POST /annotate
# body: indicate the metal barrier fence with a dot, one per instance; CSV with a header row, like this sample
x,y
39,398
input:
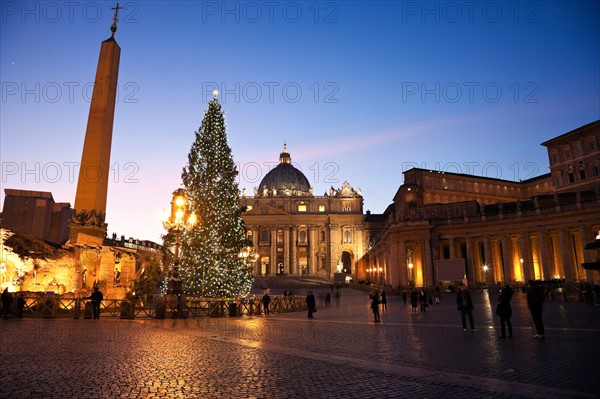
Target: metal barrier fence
x,y
42,306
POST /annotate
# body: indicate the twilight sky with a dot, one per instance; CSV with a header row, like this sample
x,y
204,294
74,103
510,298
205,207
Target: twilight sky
x,y
359,91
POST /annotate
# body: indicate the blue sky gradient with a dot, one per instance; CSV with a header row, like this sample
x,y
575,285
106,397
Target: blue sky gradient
x,y
360,91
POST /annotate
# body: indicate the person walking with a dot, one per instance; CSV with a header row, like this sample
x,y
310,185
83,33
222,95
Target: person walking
x,y
414,299
96,298
266,299
535,299
423,300
404,297
465,305
437,295
375,306
20,306
6,299
504,310
311,304
383,301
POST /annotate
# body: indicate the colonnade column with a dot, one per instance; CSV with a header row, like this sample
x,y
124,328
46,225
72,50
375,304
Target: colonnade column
x,y
451,248
526,255
586,238
487,254
563,237
548,269
427,264
507,262
470,261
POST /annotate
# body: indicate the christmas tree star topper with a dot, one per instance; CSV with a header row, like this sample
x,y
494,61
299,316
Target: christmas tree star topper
x,y
215,93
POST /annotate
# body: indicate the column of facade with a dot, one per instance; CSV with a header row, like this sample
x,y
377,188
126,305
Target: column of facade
x,y
403,264
273,252
488,261
255,248
586,238
470,261
294,252
312,240
427,264
527,256
286,249
394,265
565,245
358,255
451,248
548,269
385,262
334,249
507,264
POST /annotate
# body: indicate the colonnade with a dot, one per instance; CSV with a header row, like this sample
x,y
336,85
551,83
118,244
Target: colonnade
x,y
511,256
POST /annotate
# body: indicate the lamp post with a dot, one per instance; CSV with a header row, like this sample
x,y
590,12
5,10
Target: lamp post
x,y
248,255
409,253
177,221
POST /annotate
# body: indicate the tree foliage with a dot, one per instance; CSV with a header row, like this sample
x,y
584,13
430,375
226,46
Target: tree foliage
x,y
210,264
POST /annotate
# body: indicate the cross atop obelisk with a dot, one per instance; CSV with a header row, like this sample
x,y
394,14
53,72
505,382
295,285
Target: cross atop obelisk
x,y
113,27
88,222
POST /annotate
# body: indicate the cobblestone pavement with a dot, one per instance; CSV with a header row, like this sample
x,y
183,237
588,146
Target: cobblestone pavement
x,y
341,353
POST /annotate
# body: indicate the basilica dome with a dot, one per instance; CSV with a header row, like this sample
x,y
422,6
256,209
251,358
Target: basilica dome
x,y
284,179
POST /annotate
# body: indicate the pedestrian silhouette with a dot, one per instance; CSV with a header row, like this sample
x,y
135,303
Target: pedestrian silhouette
x,y
6,299
383,301
375,306
266,299
311,304
20,306
535,299
423,300
414,299
96,298
504,311
465,305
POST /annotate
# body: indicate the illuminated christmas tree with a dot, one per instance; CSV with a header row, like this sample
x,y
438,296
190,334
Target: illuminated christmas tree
x,y
210,264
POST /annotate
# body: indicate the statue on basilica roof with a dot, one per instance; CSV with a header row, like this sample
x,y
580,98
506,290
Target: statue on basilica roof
x,y
347,191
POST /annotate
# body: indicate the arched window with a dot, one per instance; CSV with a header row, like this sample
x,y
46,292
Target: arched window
x,y
264,235
302,237
347,235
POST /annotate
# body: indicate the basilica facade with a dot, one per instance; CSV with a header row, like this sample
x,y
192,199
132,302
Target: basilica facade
x,y
295,232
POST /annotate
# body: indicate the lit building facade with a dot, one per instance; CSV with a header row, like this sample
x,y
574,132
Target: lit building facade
x,y
297,233
501,231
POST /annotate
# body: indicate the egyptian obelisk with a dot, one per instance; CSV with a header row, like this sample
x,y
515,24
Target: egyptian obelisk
x,y
87,224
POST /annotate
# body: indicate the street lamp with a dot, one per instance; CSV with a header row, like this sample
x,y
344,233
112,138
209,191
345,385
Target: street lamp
x,y
180,219
248,255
